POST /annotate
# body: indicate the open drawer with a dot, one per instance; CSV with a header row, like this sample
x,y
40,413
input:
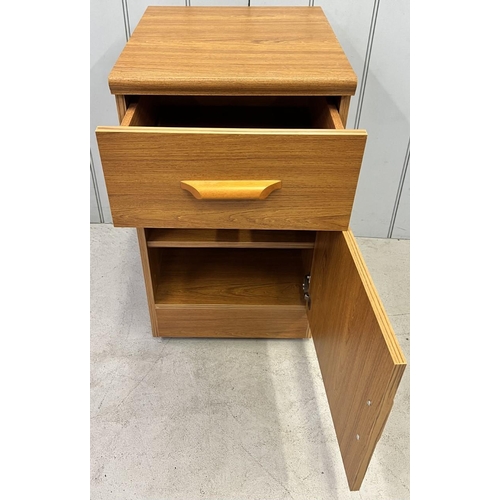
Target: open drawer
x,y
231,163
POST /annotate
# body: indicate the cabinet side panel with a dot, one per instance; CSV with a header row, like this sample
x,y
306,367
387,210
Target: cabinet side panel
x,y
121,107
345,101
149,267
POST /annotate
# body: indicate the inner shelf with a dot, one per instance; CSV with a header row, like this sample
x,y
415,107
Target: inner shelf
x,y
229,238
229,276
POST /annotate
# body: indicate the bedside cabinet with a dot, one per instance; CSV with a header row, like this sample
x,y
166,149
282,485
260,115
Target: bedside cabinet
x,y
233,163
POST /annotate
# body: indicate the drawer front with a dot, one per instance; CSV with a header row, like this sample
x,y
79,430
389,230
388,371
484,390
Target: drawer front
x,y
145,167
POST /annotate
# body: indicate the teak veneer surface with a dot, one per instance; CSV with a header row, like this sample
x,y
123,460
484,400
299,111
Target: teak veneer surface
x,y
359,356
229,238
232,321
233,51
144,168
149,268
230,276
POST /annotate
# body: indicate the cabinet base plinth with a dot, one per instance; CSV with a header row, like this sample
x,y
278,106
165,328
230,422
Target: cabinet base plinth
x,y
232,321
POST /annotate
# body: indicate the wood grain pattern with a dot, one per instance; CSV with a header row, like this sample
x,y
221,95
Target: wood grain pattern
x,y
229,238
308,334
232,321
320,113
231,190
359,356
130,116
139,115
230,276
325,114
143,167
121,107
344,108
148,280
335,117
233,51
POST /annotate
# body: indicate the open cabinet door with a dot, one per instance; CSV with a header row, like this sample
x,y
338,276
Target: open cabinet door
x,y
359,356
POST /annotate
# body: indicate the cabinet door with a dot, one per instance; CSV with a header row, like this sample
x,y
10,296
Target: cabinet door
x,y
359,356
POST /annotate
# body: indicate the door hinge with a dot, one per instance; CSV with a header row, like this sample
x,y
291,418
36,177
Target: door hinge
x,y
305,288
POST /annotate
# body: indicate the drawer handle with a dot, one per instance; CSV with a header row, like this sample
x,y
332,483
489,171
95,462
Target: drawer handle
x,y
230,190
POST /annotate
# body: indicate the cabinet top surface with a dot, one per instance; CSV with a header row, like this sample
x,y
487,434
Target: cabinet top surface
x,y
233,51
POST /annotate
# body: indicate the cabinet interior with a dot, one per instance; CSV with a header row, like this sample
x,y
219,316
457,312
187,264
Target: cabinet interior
x,y
232,112
229,266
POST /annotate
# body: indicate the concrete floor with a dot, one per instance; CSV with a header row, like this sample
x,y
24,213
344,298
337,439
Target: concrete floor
x,y
188,419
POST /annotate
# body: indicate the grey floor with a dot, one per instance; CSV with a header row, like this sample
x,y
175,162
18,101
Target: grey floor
x,y
188,419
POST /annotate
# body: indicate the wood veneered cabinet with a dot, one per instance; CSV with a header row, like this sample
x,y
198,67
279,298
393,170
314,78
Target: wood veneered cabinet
x,y
233,163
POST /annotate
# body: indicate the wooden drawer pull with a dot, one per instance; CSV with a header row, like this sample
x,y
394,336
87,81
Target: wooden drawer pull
x,y
230,190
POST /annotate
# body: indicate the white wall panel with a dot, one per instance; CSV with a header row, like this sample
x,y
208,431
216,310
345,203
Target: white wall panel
x,y
94,211
351,22
220,3
107,39
402,223
136,9
386,116
279,3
